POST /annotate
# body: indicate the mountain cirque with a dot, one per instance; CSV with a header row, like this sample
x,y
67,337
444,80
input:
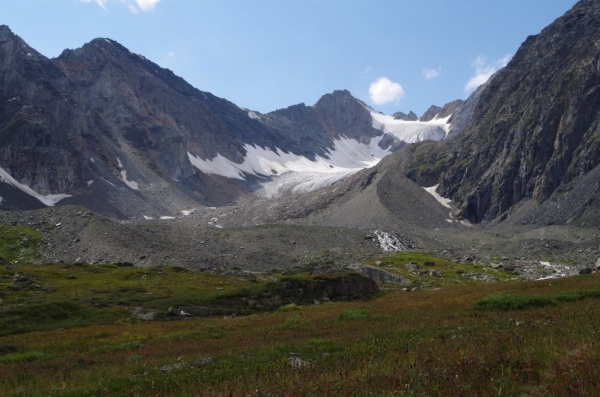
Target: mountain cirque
x,y
180,176
103,127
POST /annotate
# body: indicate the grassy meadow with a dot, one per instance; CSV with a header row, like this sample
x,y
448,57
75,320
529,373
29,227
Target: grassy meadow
x,y
72,332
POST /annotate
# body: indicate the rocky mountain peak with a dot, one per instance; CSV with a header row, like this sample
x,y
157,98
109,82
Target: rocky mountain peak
x,y
535,128
411,116
340,111
431,113
5,32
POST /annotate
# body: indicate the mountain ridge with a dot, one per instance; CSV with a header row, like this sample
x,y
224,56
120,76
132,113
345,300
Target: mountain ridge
x,y
111,129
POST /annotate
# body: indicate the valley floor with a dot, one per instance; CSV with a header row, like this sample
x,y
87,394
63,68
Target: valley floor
x,y
538,339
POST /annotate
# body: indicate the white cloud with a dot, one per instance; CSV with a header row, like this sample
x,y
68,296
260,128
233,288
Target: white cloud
x,y
485,70
383,91
171,54
431,73
146,5
365,73
133,5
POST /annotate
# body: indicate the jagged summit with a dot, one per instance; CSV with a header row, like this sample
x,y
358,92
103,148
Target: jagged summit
x,y
534,133
411,116
104,127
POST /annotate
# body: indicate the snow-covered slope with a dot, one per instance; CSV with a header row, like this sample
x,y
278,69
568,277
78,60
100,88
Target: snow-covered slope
x,y
287,172
49,200
411,131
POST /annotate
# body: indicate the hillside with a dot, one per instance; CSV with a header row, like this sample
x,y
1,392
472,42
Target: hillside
x,y
534,135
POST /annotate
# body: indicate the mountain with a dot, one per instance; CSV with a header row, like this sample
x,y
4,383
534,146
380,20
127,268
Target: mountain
x,y
388,196
106,128
534,137
436,112
411,116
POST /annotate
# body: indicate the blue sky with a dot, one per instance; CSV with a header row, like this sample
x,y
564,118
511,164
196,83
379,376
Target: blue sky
x,y
269,54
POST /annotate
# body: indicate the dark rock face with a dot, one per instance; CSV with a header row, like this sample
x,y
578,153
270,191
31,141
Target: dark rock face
x,y
320,288
332,287
411,116
441,113
354,122
431,113
464,113
535,128
74,124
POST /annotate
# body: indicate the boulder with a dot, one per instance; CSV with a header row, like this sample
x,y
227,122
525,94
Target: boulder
x,y
585,270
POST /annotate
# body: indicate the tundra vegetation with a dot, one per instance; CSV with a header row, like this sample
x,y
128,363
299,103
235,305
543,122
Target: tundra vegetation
x,y
70,329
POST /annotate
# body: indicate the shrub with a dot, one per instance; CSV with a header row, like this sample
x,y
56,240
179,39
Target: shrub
x,y
294,322
20,357
578,295
289,308
356,314
510,302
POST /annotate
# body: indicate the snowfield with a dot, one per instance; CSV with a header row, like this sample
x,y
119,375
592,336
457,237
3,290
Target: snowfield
x,y
289,173
411,131
50,200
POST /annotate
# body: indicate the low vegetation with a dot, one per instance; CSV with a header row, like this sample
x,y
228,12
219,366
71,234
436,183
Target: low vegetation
x,y
72,332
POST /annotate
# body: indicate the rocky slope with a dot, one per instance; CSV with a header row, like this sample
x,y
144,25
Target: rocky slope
x,y
106,128
536,128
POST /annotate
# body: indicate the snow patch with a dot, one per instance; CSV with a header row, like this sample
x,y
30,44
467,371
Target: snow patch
x,y
89,183
167,217
187,212
443,201
253,115
131,184
411,131
290,172
110,183
148,217
388,242
466,223
50,200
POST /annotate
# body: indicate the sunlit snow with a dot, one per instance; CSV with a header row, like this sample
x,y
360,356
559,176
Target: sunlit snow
x,y
293,172
253,115
49,200
442,200
132,184
411,131
288,172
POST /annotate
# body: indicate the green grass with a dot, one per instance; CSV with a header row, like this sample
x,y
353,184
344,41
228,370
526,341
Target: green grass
x,y
510,302
355,314
294,322
447,271
75,295
427,343
20,357
578,295
18,244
